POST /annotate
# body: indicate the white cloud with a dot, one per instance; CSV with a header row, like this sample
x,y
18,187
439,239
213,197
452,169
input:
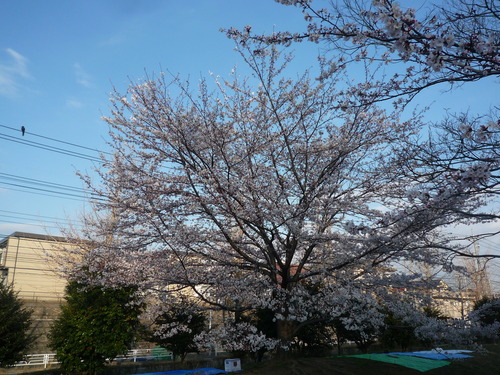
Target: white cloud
x,y
74,103
20,62
11,72
82,77
113,40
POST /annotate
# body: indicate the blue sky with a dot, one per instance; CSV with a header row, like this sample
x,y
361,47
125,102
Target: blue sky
x,y
60,59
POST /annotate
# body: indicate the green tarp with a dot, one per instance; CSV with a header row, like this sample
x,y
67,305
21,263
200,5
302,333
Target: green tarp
x,y
160,353
419,364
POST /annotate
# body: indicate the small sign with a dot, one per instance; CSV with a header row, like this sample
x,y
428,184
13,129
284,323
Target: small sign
x,y
232,365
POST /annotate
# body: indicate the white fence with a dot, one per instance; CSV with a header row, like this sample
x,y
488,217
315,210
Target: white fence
x,y
43,360
134,355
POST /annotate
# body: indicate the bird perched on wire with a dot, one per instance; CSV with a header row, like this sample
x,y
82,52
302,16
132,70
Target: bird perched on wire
x,y
23,130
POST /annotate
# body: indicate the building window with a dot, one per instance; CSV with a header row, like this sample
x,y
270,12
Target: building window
x,y
4,273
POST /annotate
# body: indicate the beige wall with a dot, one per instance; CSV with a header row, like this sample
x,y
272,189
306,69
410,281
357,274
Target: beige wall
x,y
31,271
454,305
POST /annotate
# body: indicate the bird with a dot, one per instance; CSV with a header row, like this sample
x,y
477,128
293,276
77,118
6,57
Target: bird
x,y
23,130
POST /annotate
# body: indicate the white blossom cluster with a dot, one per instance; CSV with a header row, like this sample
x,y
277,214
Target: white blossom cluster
x,y
164,331
237,337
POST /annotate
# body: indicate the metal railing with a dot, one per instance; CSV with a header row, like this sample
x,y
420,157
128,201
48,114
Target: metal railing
x,y
136,355
43,360
133,355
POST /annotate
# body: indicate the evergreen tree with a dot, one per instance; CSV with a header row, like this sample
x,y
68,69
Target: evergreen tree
x,y
15,321
487,311
96,324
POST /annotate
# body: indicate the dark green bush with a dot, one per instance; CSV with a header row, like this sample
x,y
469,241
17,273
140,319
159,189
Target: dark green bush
x,y
15,331
96,324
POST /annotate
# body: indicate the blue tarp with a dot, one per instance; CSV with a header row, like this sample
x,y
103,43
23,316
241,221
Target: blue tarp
x,y
199,371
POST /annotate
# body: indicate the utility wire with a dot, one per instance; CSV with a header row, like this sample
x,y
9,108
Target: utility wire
x,y
40,218
50,148
39,221
43,187
47,195
33,181
30,224
43,190
56,140
488,242
46,186
35,216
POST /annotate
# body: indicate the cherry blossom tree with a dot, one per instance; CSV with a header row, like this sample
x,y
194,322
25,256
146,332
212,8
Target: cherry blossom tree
x,y
454,41
242,193
462,151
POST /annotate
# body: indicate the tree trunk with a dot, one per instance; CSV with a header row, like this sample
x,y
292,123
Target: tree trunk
x,y
285,333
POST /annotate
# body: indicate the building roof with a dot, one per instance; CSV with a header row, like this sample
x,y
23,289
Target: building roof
x,y
33,236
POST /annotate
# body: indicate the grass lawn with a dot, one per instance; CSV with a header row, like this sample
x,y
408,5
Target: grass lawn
x,y
487,363
481,364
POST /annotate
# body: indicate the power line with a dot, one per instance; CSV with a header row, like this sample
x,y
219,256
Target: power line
x,y
60,222
58,219
43,190
46,187
39,189
47,195
488,242
50,148
30,224
57,140
39,218
34,181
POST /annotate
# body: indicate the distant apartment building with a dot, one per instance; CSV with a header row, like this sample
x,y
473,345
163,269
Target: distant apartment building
x,y
25,263
455,304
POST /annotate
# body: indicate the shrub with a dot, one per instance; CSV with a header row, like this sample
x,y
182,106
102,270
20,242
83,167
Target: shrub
x,y
96,324
15,332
